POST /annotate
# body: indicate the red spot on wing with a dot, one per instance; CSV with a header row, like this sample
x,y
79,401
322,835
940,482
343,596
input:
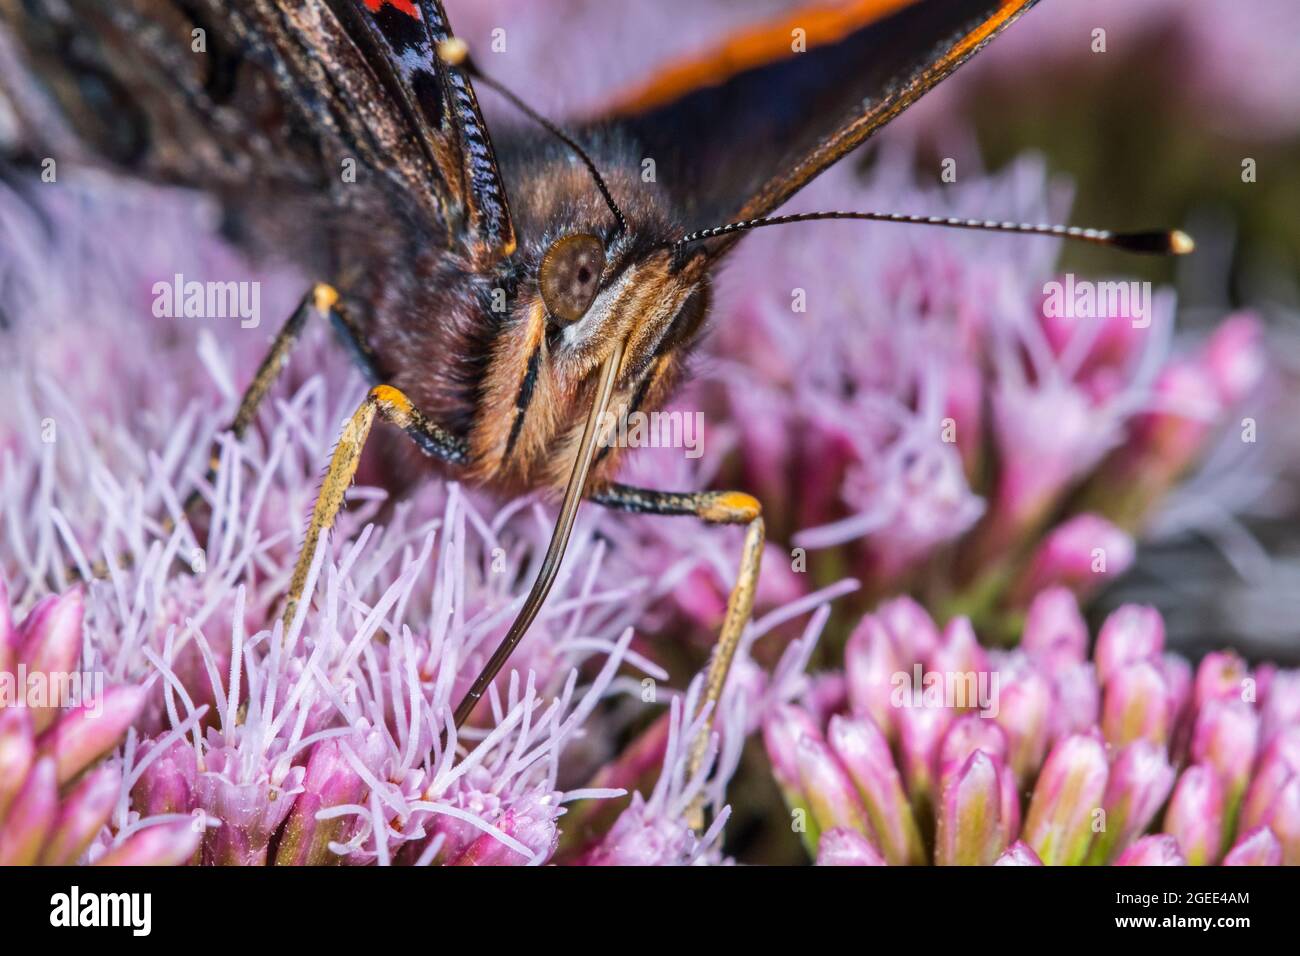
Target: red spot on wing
x,y
405,6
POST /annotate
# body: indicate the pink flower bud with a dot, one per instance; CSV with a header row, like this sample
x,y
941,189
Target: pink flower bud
x,y
1081,554
782,729
1169,441
912,630
167,844
970,830
1221,676
1280,762
966,735
1226,737
1280,709
1046,437
1140,780
50,638
1055,634
974,733
1129,634
832,798
1066,800
1195,815
85,734
1234,357
870,662
17,753
50,643
167,784
1077,703
959,652
31,816
330,780
864,752
1136,706
1257,847
1024,713
845,847
921,731
1019,854
84,812
1282,816
1157,850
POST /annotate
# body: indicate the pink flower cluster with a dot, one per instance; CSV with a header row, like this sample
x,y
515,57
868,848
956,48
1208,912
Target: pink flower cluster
x,y
56,798
924,408
929,748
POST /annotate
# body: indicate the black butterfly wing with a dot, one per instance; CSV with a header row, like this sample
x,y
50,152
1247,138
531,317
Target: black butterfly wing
x,y
282,99
739,130
400,38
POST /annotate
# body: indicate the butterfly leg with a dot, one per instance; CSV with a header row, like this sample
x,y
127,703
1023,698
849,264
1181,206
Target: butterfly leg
x,y
323,300
715,507
389,404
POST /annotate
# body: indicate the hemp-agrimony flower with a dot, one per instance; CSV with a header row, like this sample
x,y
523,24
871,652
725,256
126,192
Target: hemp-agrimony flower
x,y
991,778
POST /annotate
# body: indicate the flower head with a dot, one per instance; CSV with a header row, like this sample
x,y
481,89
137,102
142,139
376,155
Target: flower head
x,y
57,724
950,408
1007,784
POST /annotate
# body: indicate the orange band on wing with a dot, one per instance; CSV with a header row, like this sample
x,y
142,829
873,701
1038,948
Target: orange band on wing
x,y
754,47
992,25
848,137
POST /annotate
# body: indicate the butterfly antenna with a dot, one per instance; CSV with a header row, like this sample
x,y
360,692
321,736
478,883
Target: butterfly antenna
x,y
455,52
1159,242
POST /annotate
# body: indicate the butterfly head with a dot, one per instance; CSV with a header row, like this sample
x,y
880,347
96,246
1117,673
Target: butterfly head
x,y
597,285
588,284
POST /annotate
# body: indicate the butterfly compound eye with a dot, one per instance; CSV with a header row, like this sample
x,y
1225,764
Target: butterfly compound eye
x,y
570,276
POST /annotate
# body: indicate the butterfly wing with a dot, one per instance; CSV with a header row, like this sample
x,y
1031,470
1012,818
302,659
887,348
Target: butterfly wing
x,y
282,98
738,130
401,39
